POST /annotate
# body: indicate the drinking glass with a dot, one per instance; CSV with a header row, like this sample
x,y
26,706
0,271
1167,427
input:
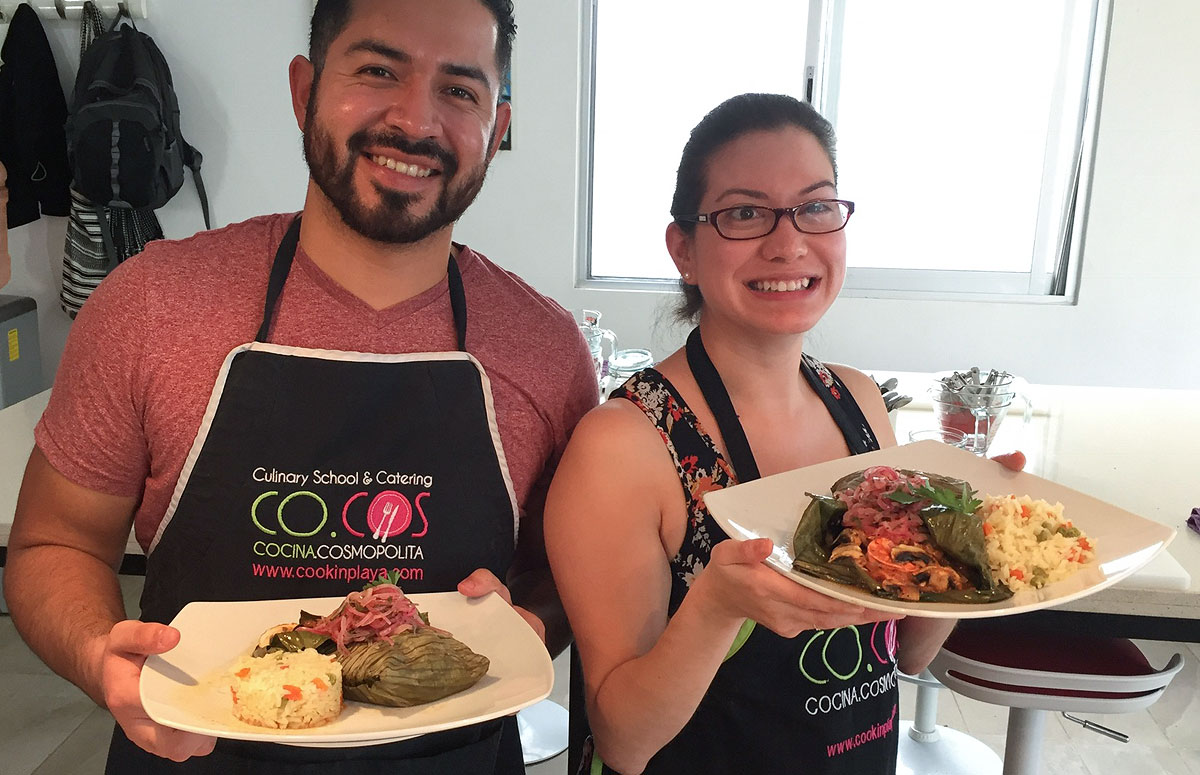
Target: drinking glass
x,y
951,436
977,415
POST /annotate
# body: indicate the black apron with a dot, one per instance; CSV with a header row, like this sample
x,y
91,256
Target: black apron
x,y
825,701
315,471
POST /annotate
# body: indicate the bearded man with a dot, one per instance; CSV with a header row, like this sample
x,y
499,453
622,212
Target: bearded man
x,y
337,348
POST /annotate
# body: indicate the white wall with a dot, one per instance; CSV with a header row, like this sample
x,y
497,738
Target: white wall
x,y
229,62
1138,317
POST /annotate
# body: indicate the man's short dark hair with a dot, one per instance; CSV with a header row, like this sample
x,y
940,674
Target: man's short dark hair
x,y
331,17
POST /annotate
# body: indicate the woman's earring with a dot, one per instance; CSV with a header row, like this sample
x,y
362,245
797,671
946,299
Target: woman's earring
x,y
687,277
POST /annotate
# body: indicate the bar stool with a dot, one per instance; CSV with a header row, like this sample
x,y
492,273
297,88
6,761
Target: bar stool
x,y
1035,673
927,749
543,731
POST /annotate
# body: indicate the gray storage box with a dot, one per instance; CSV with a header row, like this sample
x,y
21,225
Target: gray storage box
x,y
20,351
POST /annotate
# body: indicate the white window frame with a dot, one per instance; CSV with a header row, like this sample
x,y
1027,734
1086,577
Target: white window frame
x,y
1053,280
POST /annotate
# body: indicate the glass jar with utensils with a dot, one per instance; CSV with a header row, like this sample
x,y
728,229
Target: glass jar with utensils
x,y
975,403
600,341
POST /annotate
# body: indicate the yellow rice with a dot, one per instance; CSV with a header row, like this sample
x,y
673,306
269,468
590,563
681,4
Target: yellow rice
x,y
1030,543
287,690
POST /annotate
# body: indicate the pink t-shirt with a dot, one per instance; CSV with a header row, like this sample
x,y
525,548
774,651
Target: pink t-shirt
x,y
142,356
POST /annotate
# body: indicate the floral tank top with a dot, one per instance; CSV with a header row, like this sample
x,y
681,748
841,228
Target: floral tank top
x,y
824,702
702,468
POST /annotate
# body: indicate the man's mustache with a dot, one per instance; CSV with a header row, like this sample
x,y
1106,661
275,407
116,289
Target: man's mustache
x,y
400,142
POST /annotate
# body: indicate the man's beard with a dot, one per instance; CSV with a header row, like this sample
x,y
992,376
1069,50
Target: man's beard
x,y
391,220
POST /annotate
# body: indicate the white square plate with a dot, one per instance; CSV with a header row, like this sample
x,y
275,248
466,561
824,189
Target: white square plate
x,y
184,688
771,508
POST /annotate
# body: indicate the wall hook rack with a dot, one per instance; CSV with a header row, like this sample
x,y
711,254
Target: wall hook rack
x,y
72,10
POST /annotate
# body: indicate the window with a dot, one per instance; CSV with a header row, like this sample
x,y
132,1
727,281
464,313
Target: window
x,y
965,130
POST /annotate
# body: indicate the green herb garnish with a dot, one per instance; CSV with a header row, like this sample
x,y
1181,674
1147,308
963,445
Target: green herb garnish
x,y
964,501
390,577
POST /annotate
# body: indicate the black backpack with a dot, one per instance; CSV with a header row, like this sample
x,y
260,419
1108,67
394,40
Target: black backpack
x,y
123,132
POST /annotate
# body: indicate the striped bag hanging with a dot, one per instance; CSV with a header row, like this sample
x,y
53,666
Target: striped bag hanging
x,y
90,255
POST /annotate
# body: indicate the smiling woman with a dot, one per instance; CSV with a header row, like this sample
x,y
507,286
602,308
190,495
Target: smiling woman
x,y
782,277
782,152
690,649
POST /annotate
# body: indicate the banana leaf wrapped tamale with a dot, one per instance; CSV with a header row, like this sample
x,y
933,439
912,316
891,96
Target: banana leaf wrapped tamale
x,y
942,558
420,667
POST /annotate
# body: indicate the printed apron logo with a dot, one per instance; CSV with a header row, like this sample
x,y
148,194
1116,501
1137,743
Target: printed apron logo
x,y
377,524
859,668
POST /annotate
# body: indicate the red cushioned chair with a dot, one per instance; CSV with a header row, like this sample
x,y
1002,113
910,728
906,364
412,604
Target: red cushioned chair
x,y
1035,673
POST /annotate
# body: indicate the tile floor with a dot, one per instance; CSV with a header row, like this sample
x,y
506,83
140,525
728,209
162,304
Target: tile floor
x,y
48,727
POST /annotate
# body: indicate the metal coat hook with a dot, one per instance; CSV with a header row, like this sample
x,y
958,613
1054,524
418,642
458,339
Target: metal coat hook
x,y
133,8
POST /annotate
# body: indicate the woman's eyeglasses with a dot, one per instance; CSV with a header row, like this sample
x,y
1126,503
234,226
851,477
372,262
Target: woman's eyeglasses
x,y
820,216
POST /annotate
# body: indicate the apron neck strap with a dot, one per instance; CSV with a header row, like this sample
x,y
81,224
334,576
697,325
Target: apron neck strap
x,y
458,302
717,398
282,266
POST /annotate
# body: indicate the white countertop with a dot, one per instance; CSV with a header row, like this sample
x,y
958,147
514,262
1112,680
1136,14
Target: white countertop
x,y
16,442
